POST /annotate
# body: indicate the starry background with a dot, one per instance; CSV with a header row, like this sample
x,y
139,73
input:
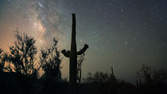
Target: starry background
x,y
121,33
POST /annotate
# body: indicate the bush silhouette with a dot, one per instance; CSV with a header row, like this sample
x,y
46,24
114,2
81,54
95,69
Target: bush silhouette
x,y
50,62
22,55
151,77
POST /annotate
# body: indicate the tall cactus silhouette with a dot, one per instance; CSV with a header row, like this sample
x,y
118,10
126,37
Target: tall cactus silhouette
x,y
72,55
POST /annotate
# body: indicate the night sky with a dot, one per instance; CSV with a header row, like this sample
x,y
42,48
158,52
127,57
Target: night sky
x,y
121,33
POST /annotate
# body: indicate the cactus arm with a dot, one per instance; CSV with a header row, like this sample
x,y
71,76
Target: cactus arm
x,y
83,49
66,53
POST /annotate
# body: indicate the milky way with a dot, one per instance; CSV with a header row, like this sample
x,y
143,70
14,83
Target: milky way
x,y
37,18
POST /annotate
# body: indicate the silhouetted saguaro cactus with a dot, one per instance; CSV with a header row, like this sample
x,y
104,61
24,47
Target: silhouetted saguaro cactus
x,y
72,55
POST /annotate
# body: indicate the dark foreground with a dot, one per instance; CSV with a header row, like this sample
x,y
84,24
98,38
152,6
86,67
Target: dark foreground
x,y
12,85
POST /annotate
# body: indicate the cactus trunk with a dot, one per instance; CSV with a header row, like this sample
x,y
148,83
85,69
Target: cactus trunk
x,y
73,54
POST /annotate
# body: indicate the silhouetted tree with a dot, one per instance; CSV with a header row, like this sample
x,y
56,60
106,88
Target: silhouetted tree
x,y
105,83
145,74
80,60
22,55
50,62
148,76
102,77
